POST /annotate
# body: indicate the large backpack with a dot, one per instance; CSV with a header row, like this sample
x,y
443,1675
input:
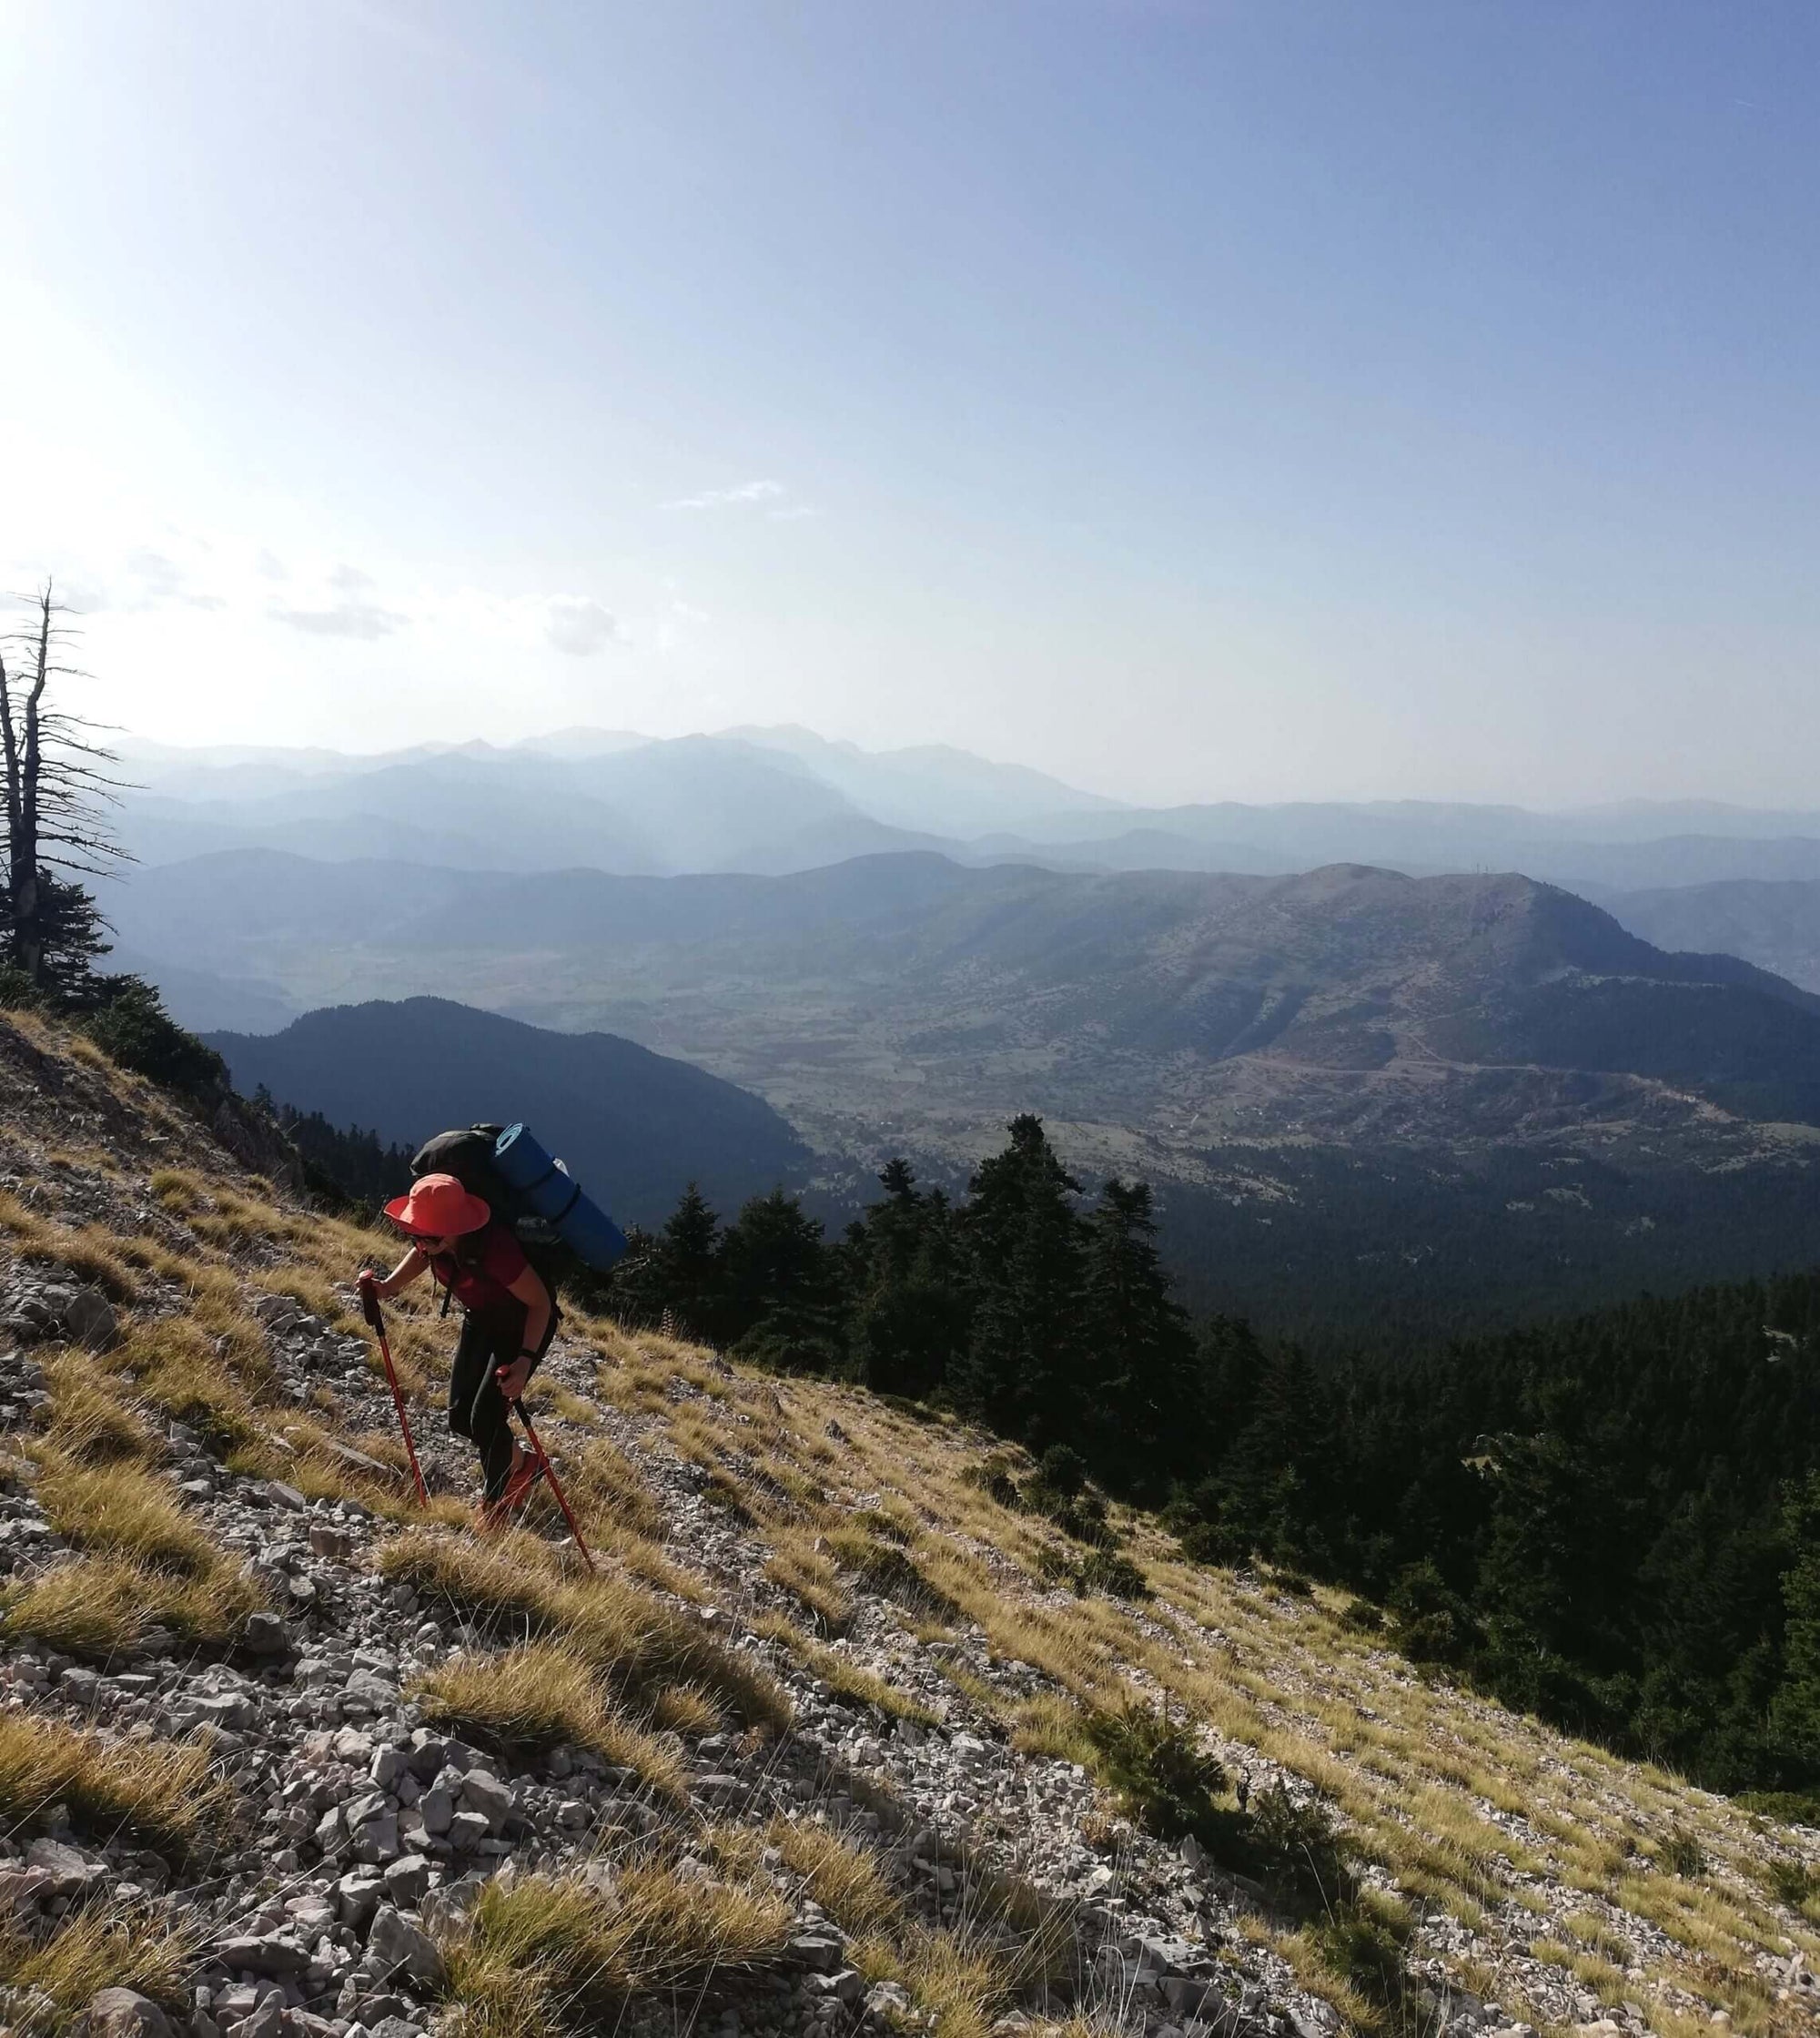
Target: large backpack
x,y
467,1153
562,1233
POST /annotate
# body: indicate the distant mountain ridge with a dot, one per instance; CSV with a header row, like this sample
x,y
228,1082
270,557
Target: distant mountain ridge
x,y
635,1126
777,800
1151,997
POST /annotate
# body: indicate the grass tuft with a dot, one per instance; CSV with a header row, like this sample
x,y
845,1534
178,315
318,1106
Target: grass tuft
x,y
842,1876
97,1949
121,1511
101,1607
162,1795
843,1678
555,1954
637,1644
532,1698
88,1421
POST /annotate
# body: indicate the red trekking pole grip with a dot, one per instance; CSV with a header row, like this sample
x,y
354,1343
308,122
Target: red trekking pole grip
x,y
366,1287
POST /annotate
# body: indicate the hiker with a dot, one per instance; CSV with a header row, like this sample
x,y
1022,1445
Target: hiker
x,y
509,1319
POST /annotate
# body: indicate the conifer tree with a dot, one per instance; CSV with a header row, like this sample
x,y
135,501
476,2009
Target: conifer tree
x,y
1023,1370
779,1282
911,1310
1798,1703
1140,1360
688,1262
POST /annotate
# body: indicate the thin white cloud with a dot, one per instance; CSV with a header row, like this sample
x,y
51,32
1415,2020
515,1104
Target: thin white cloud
x,y
152,580
728,498
580,626
362,620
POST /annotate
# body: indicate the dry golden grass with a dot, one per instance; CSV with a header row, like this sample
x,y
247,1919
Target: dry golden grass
x,y
551,1953
841,1875
681,1709
175,1368
160,1795
1279,1676
101,1607
97,1949
603,1485
532,1698
118,1510
638,1644
1052,1726
959,1983
808,1576
90,1422
89,1252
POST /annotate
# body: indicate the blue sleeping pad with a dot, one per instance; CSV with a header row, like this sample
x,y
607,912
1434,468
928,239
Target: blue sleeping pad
x,y
547,1193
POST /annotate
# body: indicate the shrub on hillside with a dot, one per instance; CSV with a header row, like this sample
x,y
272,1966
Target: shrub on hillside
x,y
993,1477
1787,1808
1680,1854
1215,1542
1061,1470
1114,1573
18,993
1430,1622
1167,1781
1365,1941
1293,1846
125,1018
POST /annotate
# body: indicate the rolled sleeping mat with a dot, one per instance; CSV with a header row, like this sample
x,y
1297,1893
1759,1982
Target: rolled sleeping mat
x,y
549,1193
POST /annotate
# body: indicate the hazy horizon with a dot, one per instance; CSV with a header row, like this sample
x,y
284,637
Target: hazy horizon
x,y
131,743
1192,401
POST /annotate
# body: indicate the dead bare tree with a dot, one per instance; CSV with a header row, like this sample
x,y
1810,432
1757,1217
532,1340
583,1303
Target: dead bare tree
x,y
59,794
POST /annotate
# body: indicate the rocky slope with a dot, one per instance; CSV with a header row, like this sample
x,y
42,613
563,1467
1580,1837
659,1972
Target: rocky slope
x,y
281,1753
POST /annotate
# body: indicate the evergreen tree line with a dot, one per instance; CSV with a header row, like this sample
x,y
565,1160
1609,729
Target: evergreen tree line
x,y
1612,1520
1012,1305
350,1166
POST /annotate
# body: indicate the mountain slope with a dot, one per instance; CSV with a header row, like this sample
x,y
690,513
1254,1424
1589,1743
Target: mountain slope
x,y
1775,925
931,789
884,1770
635,1126
1239,992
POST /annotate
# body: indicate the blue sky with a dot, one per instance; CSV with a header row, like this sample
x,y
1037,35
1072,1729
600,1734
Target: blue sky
x,y
1198,401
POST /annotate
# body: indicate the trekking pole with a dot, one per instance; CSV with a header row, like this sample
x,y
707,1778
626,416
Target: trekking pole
x,y
369,1309
549,1472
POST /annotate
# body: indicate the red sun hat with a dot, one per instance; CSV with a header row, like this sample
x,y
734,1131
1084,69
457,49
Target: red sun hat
x,y
438,1207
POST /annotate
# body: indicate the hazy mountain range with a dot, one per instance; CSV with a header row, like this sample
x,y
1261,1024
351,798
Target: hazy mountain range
x,y
1407,1076
1173,1007
1412,1101
785,799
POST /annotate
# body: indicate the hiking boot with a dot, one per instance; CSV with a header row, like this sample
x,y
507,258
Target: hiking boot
x,y
525,1475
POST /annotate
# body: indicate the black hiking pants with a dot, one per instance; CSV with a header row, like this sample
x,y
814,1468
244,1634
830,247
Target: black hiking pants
x,y
489,1339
